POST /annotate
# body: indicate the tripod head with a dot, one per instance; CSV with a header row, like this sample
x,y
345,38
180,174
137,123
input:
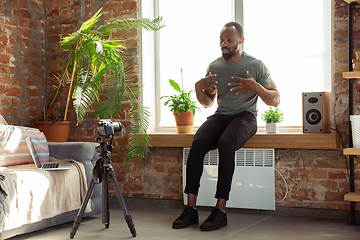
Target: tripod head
x,y
106,129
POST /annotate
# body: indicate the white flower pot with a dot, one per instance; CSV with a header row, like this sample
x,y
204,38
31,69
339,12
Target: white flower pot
x,y
272,128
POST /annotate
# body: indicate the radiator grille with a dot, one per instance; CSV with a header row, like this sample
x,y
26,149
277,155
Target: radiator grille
x,y
244,157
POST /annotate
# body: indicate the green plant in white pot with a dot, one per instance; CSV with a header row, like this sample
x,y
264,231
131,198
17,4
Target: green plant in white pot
x,y
272,117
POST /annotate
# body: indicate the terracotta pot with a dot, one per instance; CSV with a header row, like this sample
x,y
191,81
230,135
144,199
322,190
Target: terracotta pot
x,y
58,132
184,122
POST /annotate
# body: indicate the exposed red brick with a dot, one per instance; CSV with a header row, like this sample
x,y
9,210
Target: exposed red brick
x,y
11,111
134,187
34,54
6,69
5,78
130,5
14,91
15,80
24,32
337,175
113,7
34,92
36,64
4,39
174,170
36,5
23,4
331,185
22,13
23,22
317,174
12,2
33,25
344,186
5,102
334,196
56,4
4,58
36,45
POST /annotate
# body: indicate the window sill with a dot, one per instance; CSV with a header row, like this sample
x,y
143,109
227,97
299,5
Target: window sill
x,y
260,140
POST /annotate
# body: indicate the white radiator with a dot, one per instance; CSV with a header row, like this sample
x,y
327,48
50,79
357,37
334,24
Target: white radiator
x,y
253,185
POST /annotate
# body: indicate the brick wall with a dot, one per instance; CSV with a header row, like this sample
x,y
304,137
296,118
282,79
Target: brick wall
x,y
23,84
28,61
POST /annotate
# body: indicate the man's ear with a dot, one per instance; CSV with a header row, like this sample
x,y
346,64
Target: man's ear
x,y
241,40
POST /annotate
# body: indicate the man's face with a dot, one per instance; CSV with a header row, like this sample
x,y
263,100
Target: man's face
x,y
229,42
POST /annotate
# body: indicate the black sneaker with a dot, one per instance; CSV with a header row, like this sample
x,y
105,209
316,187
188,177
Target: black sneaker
x,y
216,220
188,216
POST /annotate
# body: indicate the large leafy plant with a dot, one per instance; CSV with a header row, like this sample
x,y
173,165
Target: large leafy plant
x,y
180,102
99,78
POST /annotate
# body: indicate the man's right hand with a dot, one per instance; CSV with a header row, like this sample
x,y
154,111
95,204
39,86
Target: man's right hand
x,y
205,90
207,84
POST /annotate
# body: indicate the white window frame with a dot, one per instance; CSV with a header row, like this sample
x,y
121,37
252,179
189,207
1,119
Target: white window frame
x,y
149,68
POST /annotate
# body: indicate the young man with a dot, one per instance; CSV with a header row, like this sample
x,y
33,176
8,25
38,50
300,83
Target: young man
x,y
236,80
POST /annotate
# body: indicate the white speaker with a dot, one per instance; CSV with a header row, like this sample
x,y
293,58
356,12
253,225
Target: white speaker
x,y
316,112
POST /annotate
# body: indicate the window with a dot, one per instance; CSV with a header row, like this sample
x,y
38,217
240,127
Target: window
x,y
292,38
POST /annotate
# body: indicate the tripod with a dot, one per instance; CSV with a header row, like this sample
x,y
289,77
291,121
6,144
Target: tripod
x,y
106,169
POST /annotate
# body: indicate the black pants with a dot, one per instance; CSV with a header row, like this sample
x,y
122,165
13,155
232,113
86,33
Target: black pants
x,y
228,133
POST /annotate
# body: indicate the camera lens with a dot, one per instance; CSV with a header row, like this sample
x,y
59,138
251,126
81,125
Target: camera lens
x,y
116,126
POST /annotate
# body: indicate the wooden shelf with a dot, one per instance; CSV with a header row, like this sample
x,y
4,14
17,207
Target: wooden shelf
x,y
352,197
351,151
349,75
350,1
280,141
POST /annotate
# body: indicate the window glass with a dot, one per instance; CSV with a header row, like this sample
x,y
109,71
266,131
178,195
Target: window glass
x,y
294,46
190,41
292,38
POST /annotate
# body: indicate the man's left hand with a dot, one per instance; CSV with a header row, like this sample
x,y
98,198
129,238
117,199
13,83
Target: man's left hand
x,y
243,84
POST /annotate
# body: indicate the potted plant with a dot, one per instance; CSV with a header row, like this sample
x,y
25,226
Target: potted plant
x,y
53,126
272,117
99,78
182,107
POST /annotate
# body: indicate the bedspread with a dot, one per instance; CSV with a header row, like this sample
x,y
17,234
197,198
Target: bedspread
x,y
33,195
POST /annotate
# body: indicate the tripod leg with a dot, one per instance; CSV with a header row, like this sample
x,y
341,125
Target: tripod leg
x,y
122,202
78,218
105,199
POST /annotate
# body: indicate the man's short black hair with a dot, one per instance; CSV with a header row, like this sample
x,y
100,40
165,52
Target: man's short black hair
x,y
238,27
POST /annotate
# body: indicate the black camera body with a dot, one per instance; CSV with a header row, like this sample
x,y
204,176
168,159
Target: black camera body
x,y
106,127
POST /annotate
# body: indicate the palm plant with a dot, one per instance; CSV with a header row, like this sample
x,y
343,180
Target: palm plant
x,y
100,79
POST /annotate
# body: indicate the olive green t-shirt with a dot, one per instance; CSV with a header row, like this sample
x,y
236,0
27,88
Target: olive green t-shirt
x,y
228,102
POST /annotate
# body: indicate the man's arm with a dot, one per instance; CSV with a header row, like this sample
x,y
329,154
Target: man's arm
x,y
206,90
268,93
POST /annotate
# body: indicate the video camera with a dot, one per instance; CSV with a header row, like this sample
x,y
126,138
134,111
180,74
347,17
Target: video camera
x,y
106,127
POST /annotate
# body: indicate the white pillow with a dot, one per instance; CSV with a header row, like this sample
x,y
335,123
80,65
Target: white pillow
x,y
2,120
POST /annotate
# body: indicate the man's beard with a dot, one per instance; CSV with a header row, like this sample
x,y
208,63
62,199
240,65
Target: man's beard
x,y
230,53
